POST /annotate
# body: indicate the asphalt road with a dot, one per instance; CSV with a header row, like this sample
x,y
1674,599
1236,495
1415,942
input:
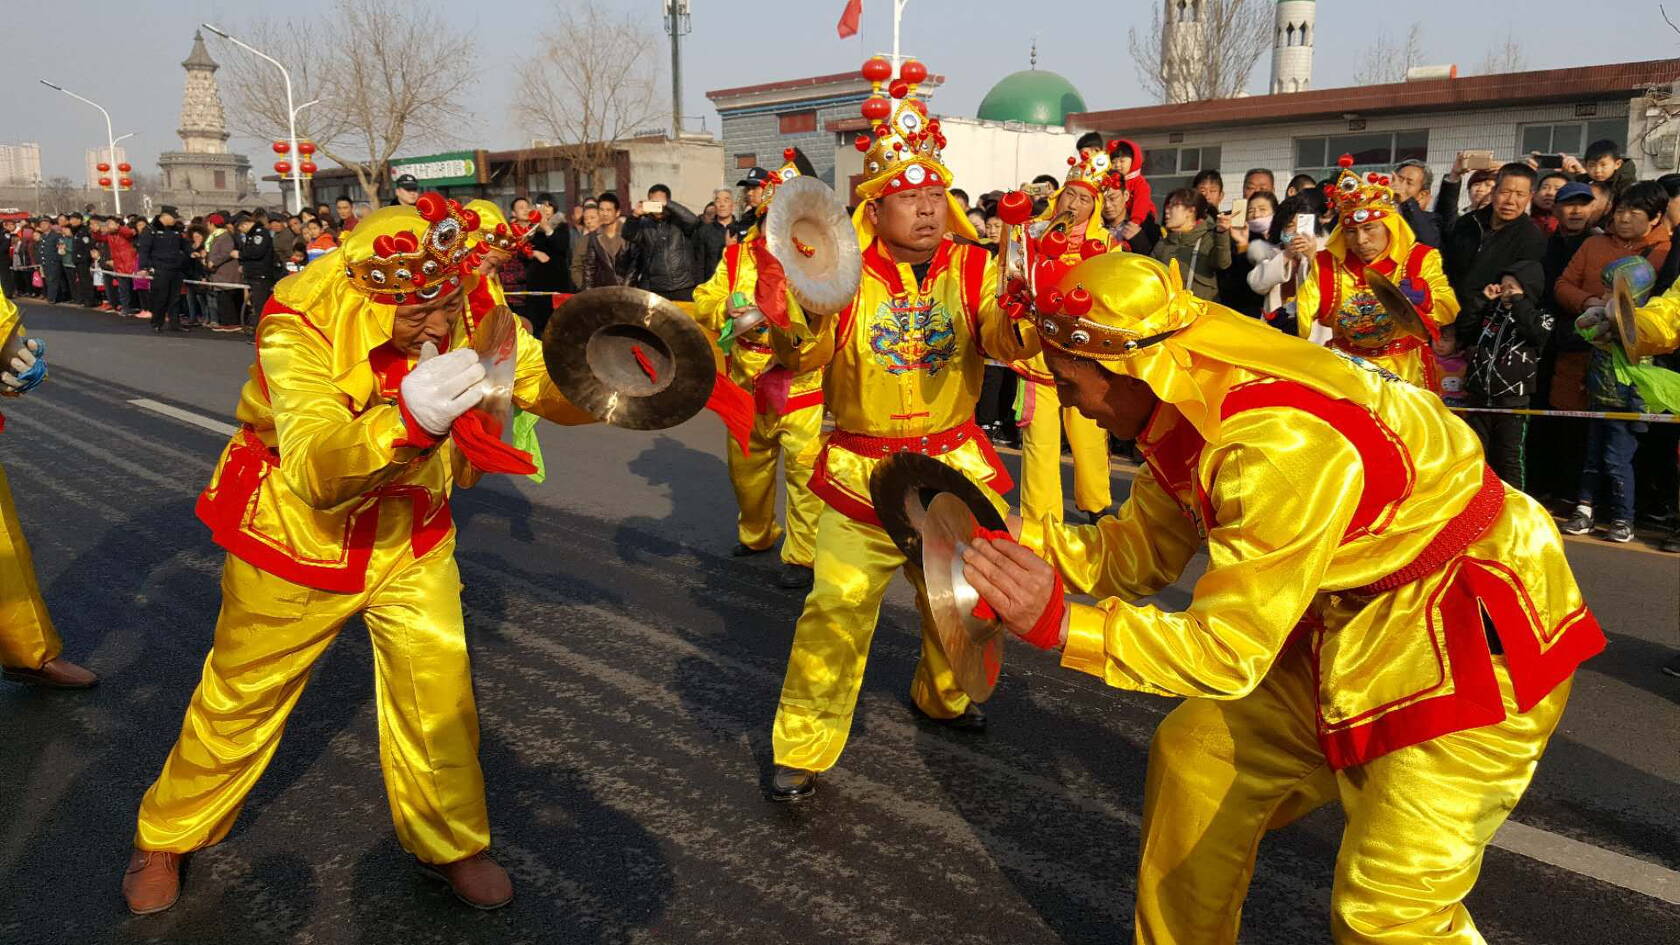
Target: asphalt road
x,y
627,670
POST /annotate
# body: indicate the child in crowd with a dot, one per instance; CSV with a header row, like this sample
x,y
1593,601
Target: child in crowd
x,y
1503,350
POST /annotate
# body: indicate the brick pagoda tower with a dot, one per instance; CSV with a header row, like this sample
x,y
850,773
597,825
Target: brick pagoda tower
x,y
203,176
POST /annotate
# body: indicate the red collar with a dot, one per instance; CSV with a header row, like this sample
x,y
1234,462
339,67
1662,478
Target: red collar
x,y
877,262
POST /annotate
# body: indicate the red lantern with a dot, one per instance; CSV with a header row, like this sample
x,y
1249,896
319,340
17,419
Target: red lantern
x,y
282,167
125,183
308,168
876,108
912,72
104,181
125,167
877,70
306,147
281,147
103,167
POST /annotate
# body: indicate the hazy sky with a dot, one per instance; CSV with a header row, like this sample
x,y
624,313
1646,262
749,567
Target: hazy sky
x,y
125,54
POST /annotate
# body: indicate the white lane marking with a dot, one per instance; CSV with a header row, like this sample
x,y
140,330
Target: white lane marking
x,y
1641,876
197,420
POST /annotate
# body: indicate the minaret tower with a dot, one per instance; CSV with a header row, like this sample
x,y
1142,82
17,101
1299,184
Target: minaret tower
x,y
203,125
1181,49
1292,45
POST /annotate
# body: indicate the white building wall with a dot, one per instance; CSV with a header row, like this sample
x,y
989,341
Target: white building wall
x,y
693,169
982,155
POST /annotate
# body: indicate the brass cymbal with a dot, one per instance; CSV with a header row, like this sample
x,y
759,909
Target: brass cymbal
x,y
629,357
972,644
901,487
1407,320
1620,312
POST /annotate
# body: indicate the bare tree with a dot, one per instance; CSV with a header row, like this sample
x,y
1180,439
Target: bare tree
x,y
59,195
388,74
592,83
1389,59
1506,57
1207,51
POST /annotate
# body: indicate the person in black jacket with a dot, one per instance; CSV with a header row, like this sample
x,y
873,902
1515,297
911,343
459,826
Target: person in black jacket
x,y
663,258
549,267
1487,242
80,268
165,252
1510,330
258,264
1412,180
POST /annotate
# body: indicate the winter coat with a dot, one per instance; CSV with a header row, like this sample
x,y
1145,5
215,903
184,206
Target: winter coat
x,y
1625,176
598,259
1140,203
556,274
257,261
663,259
81,247
222,256
51,257
165,248
119,249
1509,336
1476,254
1202,253
1583,278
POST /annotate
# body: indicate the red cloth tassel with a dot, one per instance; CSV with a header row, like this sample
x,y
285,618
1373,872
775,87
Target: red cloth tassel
x,y
1046,632
734,407
479,438
770,391
770,293
983,610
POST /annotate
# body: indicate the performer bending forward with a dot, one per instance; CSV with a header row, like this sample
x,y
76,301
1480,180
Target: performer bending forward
x,y
904,366
1382,622
333,500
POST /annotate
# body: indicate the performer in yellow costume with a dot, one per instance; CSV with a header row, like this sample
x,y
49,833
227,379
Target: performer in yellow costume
x,y
29,645
333,500
903,371
1043,419
1382,622
790,410
1333,293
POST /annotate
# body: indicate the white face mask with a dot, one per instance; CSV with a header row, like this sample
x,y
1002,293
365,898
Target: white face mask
x,y
1260,226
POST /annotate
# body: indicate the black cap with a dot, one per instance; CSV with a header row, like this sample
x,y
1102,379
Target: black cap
x,y
406,182
166,208
756,177
548,199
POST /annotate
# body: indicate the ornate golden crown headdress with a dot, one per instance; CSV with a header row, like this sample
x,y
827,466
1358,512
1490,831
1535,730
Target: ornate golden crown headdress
x,y
1359,200
905,151
1095,169
404,266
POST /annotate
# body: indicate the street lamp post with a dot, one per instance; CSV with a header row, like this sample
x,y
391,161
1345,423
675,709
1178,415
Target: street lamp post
x,y
110,142
291,112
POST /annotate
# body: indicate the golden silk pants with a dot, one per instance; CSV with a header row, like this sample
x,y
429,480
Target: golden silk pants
x,y
853,566
27,637
1041,458
268,637
1418,818
795,437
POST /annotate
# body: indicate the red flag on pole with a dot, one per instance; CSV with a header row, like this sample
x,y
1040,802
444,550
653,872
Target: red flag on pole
x,y
850,18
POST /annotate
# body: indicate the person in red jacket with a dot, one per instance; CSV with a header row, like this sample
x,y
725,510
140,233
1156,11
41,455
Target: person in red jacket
x,y
117,242
1128,161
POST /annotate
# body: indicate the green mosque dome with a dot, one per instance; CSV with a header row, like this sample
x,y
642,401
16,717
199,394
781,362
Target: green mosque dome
x,y
1034,96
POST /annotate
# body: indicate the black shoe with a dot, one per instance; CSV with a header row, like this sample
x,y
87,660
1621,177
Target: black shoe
x,y
1580,523
971,720
792,784
742,551
1620,532
180,328
1671,544
1672,667
794,577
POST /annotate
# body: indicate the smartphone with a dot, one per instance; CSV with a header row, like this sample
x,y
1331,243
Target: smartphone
x,y
653,206
1548,160
1480,161
1239,212
1306,225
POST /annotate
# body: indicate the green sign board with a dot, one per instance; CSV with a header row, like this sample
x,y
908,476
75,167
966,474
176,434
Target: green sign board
x,y
443,170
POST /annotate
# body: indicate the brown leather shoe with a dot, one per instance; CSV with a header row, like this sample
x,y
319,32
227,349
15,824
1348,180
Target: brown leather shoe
x,y
54,674
152,882
477,880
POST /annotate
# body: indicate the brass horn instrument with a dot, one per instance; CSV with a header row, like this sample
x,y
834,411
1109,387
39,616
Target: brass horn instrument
x,y
809,233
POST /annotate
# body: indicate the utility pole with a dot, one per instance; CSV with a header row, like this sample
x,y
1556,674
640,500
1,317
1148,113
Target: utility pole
x,y
677,25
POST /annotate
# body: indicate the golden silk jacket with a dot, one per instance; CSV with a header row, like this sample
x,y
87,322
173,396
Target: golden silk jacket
x,y
1365,527
323,451
751,355
1659,323
1335,294
902,370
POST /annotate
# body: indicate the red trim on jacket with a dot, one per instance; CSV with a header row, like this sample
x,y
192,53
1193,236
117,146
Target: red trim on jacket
x,y
859,508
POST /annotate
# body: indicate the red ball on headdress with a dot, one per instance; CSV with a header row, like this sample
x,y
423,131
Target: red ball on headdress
x,y
877,69
876,108
405,242
454,205
1091,248
861,142
1014,208
469,219
1385,180
1078,302
383,246
1050,302
1072,161
899,88
788,154
1345,160
501,229
912,71
1113,146
432,206
1048,272
1053,243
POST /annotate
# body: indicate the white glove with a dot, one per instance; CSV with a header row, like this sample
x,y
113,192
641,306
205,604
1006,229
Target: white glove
x,y
442,387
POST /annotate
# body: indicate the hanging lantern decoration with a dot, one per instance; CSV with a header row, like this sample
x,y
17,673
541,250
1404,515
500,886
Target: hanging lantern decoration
x,y
308,168
104,181
126,183
281,147
282,167
125,167
306,148
103,167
